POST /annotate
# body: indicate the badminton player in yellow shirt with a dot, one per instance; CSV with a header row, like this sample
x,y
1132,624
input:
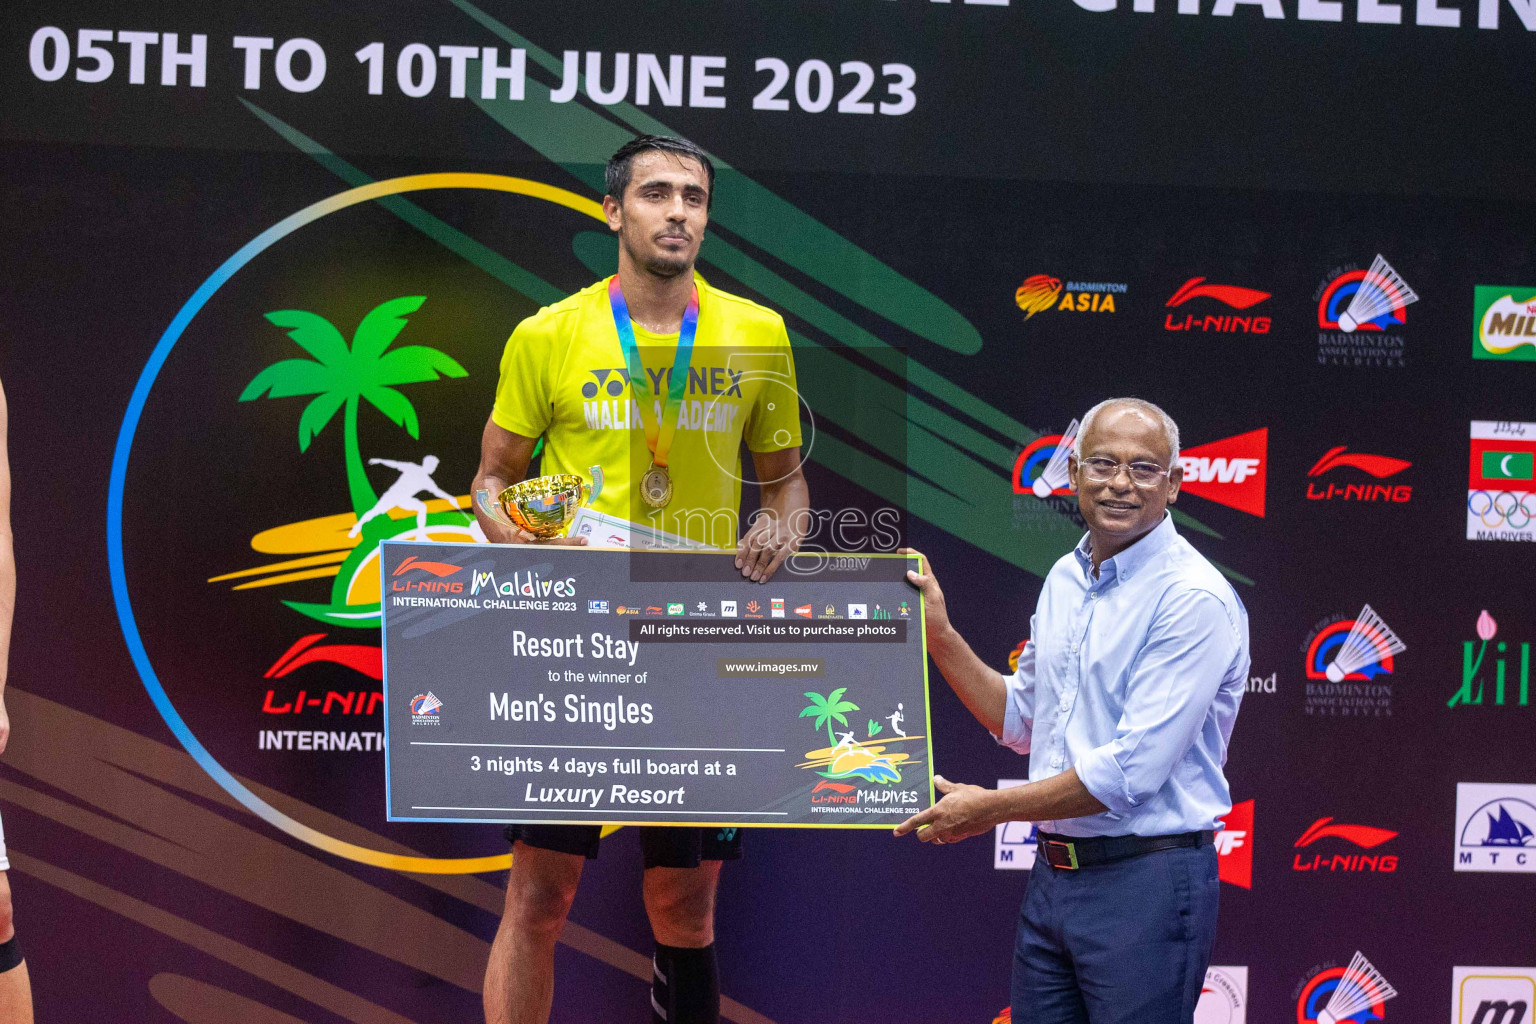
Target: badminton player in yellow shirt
x,y
657,377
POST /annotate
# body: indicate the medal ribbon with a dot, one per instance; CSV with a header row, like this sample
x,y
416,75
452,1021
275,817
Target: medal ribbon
x,y
658,433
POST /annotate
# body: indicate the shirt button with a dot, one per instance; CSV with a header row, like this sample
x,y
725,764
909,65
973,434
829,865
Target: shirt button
x,y
1094,595
1065,704
1056,761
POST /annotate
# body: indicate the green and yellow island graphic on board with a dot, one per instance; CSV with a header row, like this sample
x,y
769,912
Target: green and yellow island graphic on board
x,y
848,758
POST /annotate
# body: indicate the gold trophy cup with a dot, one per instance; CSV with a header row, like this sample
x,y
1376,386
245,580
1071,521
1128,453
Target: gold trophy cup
x,y
543,506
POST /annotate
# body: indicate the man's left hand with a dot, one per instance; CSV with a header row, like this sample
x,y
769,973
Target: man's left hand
x,y
765,547
963,812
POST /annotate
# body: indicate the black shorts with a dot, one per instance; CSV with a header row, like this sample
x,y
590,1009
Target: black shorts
x,y
664,847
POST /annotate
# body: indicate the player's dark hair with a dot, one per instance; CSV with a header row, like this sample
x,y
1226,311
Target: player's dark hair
x,y
616,178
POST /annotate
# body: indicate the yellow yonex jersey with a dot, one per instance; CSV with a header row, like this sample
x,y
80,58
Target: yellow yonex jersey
x,y
563,376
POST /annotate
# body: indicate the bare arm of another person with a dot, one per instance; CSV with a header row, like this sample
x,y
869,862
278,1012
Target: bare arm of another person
x,y
504,458
7,571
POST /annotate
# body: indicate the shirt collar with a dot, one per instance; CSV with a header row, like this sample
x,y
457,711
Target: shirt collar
x,y
1128,562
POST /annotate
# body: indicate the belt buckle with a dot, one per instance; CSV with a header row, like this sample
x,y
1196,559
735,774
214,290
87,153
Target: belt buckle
x,y
1070,849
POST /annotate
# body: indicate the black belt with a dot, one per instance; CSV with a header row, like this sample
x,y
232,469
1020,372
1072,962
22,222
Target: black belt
x,y
1071,853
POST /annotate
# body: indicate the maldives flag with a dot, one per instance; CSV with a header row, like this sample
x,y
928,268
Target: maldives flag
x,y
1503,456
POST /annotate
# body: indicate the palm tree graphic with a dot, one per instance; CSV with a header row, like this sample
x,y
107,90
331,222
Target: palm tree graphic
x,y
828,709
342,378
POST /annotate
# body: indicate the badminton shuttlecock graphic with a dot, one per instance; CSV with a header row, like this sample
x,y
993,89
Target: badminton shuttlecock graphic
x,y
1054,474
1038,293
1381,291
1370,640
1362,986
425,703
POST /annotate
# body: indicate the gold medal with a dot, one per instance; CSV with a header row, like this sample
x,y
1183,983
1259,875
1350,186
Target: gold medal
x,y
656,486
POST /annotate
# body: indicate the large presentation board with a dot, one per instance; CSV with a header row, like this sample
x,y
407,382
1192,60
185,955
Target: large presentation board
x,y
569,684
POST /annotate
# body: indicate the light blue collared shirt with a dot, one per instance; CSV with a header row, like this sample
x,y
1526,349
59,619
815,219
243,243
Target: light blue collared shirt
x,y
1134,679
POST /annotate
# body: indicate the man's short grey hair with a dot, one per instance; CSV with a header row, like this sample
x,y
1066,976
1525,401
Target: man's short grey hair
x,y
1170,428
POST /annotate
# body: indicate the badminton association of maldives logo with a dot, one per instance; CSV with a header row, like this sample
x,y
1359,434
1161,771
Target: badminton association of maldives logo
x,y
1357,993
1359,313
424,709
1348,664
1041,468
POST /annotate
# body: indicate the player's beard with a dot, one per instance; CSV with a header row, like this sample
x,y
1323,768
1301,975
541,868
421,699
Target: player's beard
x,y
659,263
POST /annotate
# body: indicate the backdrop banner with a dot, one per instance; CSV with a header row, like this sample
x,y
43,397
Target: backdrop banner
x,y
260,268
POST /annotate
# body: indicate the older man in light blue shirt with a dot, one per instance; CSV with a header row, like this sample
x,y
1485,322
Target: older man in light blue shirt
x,y
1124,700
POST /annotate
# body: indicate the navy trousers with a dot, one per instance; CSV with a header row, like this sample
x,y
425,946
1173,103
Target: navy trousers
x,y
1122,942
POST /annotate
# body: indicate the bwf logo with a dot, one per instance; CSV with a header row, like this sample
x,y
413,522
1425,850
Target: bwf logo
x,y
1492,995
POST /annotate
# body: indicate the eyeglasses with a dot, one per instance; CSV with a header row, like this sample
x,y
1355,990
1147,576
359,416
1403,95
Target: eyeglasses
x,y
1102,471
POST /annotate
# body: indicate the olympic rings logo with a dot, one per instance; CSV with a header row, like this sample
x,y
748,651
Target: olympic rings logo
x,y
1512,509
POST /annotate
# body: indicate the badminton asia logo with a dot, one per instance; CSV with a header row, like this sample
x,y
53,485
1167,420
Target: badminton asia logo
x,y
1495,827
1357,993
1504,323
1042,292
1219,322
1233,471
1501,681
1352,477
1501,481
1358,313
1346,660
1364,837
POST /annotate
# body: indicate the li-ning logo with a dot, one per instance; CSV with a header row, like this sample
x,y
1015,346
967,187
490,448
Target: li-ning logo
x,y
1231,471
1219,323
1367,837
424,709
834,793
1041,292
425,586
1378,466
